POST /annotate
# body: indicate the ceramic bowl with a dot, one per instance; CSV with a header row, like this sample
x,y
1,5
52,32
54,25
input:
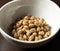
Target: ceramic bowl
x,y
39,8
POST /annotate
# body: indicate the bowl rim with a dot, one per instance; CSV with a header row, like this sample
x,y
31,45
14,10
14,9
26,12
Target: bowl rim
x,y
5,34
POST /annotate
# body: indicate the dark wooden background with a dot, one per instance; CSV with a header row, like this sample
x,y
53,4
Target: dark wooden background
x,y
53,45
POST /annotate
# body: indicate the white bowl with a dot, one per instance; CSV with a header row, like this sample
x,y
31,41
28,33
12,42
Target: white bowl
x,y
40,8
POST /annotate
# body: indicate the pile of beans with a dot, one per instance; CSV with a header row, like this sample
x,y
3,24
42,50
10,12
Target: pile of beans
x,y
31,28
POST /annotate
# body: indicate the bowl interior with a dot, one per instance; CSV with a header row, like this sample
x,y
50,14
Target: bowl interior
x,y
46,9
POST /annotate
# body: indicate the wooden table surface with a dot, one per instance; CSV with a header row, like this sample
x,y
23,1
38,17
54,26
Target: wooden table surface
x,y
53,45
